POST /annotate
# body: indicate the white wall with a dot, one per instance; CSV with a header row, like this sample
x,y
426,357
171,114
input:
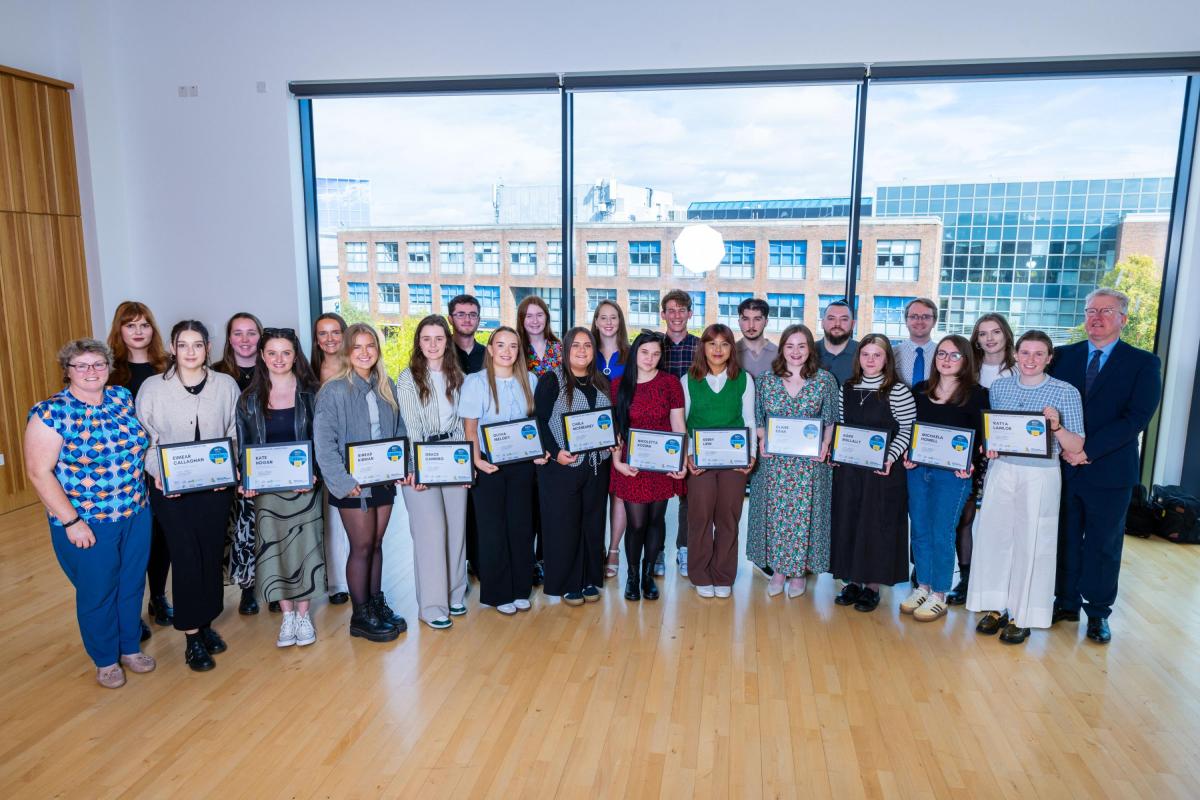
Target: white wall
x,y
194,205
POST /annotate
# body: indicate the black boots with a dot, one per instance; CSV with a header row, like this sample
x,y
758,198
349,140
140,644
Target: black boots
x,y
248,604
160,610
365,623
958,595
632,592
385,613
649,589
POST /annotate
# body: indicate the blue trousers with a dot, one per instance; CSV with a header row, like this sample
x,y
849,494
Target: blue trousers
x,y
110,581
1091,535
935,502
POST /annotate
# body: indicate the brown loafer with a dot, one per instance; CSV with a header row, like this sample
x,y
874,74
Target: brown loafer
x,y
139,663
111,677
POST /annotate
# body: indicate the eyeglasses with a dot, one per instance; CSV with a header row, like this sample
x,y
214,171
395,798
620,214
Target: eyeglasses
x,y
83,369
1106,312
278,333
945,355
921,317
465,315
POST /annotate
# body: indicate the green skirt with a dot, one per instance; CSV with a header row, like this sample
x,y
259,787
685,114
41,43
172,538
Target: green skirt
x,y
290,545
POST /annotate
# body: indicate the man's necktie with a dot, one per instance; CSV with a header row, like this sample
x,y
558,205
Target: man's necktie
x,y
1092,371
919,367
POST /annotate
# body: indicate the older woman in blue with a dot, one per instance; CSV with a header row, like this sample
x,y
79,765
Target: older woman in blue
x,y
85,455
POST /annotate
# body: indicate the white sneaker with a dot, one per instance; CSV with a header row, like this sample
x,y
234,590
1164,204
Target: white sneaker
x,y
287,631
704,591
306,632
914,600
681,561
723,591
507,609
522,604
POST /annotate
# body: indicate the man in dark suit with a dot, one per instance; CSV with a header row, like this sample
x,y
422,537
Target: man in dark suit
x,y
1121,386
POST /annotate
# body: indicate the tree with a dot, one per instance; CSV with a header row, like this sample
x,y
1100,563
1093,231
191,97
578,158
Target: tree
x,y
1139,277
397,340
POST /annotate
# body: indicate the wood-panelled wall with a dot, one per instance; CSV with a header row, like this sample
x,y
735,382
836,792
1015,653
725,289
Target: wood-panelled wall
x,y
43,278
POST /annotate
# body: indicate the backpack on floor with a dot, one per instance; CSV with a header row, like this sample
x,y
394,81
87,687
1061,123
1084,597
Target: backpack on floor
x,y
1179,512
1142,519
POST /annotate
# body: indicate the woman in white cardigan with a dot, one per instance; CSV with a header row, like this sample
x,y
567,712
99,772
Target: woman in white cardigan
x,y
190,403
437,515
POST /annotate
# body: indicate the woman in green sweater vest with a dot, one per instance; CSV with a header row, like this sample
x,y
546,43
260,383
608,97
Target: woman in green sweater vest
x,y
717,394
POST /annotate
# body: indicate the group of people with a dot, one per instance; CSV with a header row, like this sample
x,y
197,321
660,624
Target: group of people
x,y
1044,544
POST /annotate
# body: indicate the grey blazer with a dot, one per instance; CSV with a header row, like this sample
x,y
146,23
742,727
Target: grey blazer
x,y
342,417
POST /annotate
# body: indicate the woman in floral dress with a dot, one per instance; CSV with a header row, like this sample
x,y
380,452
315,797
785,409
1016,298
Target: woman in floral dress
x,y
789,504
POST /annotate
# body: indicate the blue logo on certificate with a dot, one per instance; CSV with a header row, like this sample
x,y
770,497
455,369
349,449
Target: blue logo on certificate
x,y
737,441
297,458
959,443
394,452
810,431
218,455
671,446
604,422
461,455
1035,427
528,432
876,442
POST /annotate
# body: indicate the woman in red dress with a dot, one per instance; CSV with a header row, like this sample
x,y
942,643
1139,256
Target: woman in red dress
x,y
650,399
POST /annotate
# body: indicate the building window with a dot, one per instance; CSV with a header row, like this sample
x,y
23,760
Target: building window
x,y
833,260
645,258
489,306
738,262
389,298
679,270
554,258
420,299
356,256
698,307
450,258
643,307
418,256
597,296
727,307
487,258
786,309
601,259
552,296
897,259
358,294
387,256
449,292
788,260
888,316
523,258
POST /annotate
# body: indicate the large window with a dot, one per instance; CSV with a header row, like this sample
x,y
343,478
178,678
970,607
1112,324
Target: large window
x,y
552,296
522,258
387,256
450,258
601,259
643,307
449,291
597,296
699,306
833,260
788,260
358,293
645,258
888,316
420,299
489,306
487,258
554,258
897,259
738,262
786,309
389,298
418,257
727,307
356,256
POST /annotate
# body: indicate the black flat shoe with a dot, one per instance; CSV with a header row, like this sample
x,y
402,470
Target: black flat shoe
x,y
1014,635
632,590
382,610
212,640
1097,630
145,630
649,587
591,594
160,610
539,574
850,594
958,595
196,656
273,607
339,598
991,623
1065,615
248,604
868,599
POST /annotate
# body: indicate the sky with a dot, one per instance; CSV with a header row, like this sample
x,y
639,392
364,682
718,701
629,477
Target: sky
x,y
433,160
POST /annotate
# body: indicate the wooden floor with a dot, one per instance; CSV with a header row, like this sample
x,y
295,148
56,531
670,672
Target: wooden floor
x,y
749,697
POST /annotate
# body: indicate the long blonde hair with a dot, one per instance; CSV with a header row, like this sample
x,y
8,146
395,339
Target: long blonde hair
x,y
379,376
520,370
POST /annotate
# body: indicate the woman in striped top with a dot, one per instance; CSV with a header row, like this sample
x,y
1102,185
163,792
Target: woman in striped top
x,y
437,515
870,507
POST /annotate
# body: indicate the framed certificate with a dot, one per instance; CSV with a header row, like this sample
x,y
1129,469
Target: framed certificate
x,y
589,430
942,446
510,442
196,466
721,448
1017,433
444,463
656,451
860,447
372,463
794,436
277,467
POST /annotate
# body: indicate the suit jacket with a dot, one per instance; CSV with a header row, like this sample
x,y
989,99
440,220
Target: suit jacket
x,y
1122,401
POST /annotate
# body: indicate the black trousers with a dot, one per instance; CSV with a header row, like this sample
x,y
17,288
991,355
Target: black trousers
x,y
505,546
574,502
160,559
1091,535
194,525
